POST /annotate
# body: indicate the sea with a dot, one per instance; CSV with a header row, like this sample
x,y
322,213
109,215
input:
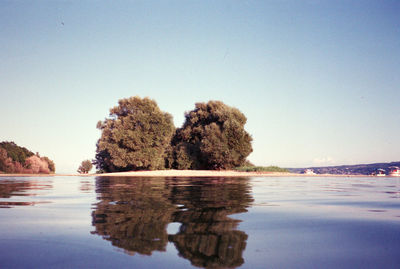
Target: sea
x,y
262,222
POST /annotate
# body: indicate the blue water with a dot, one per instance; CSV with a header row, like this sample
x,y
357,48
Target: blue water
x,y
272,222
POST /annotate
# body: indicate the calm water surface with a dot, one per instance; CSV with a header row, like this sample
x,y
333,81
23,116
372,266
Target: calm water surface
x,y
120,222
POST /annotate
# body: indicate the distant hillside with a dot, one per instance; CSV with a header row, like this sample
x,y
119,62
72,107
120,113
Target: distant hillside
x,y
359,169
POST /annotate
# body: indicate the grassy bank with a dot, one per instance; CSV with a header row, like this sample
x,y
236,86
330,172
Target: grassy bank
x,y
261,169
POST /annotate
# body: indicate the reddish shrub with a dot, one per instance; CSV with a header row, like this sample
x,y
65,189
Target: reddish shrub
x,y
18,168
37,165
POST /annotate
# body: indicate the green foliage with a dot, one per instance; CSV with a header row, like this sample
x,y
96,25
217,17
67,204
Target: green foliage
x,y
169,157
261,169
16,153
52,166
16,159
85,167
5,161
212,137
183,158
136,136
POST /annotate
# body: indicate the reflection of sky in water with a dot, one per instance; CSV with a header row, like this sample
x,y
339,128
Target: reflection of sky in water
x,y
331,197
296,222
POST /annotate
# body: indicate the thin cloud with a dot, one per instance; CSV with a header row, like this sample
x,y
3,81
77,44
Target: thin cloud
x,y
323,161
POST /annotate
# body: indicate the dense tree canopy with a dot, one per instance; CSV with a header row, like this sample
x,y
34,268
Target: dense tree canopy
x,y
16,159
136,136
15,152
212,137
85,167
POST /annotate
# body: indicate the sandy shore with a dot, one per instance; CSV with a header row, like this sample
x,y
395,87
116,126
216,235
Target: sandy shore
x,y
186,173
166,173
210,173
28,175
195,173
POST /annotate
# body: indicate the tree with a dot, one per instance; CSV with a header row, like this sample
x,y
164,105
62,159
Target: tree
x,y
85,167
212,137
37,165
52,166
15,152
136,136
16,159
6,164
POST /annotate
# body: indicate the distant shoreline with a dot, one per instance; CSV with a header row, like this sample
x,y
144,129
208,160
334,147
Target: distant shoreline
x,y
186,173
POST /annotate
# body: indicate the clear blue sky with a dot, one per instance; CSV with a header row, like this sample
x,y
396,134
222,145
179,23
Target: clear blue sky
x,y
319,81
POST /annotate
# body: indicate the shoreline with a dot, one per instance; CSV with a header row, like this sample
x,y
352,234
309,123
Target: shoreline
x,y
194,173
185,173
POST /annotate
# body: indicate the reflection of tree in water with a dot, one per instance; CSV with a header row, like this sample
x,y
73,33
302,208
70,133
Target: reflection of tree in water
x,y
133,213
86,185
207,236
10,189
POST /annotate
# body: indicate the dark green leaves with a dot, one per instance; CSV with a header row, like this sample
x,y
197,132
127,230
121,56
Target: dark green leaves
x,y
139,136
134,137
212,137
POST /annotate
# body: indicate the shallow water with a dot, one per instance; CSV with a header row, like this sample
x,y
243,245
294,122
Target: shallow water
x,y
283,222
